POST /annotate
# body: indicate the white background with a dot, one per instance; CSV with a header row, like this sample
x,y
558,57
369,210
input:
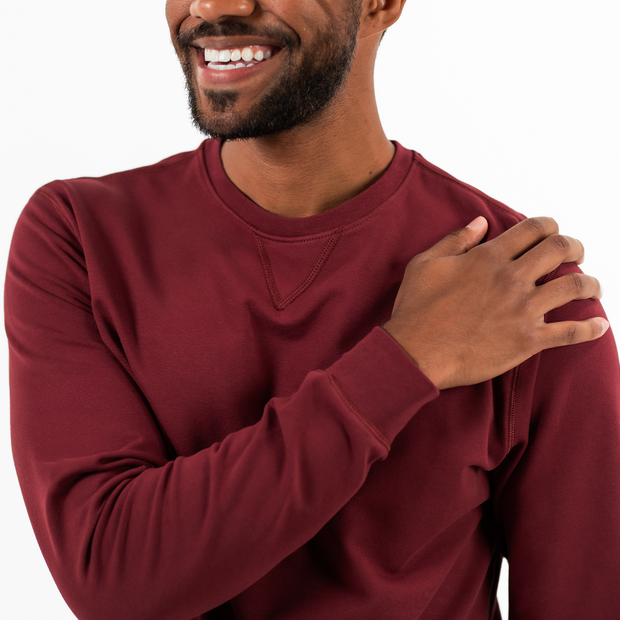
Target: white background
x,y
519,99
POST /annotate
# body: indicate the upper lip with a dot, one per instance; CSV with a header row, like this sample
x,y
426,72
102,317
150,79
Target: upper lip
x,y
226,43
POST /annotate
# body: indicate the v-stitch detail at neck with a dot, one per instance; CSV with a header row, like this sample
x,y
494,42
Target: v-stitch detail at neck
x,y
279,302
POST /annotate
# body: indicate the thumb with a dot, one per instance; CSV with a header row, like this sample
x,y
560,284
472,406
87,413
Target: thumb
x,y
460,241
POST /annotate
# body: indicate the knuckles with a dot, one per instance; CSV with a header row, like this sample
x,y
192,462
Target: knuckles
x,y
560,243
571,334
573,285
541,226
577,283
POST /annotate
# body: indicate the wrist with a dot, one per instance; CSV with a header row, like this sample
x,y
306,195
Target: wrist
x,y
402,336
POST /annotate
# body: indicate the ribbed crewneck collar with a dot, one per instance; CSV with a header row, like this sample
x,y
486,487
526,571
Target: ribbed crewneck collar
x,y
269,223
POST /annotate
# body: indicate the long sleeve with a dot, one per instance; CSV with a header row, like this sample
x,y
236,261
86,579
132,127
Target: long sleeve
x,y
560,507
129,532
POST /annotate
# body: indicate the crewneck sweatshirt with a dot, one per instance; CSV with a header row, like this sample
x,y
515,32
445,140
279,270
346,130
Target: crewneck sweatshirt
x,y
209,422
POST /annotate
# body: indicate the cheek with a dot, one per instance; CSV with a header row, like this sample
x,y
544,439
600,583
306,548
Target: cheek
x,y
176,12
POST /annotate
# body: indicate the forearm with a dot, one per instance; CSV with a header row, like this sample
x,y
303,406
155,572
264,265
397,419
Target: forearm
x,y
129,532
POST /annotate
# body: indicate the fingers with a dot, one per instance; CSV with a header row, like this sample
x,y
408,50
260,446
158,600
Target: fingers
x,y
563,290
459,242
548,255
517,240
536,248
573,332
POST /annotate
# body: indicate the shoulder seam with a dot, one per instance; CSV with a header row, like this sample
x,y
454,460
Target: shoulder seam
x,y
133,171
58,209
469,188
154,167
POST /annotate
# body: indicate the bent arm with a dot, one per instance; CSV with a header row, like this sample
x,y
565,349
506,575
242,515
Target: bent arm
x,y
126,530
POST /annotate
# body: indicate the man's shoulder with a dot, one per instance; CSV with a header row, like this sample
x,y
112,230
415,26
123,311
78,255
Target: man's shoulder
x,y
144,194
442,193
154,177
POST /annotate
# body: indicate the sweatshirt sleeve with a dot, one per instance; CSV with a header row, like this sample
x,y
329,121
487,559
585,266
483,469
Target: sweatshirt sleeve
x,y
560,507
130,533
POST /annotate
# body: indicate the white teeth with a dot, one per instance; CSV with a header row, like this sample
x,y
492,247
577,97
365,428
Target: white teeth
x,y
222,67
234,56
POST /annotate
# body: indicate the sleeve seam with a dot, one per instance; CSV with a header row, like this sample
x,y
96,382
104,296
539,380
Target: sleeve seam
x,y
513,409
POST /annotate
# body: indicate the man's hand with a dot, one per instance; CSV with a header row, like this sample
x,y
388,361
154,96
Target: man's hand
x,y
466,312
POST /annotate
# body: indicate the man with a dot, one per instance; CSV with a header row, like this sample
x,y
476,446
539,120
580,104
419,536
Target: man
x,y
243,386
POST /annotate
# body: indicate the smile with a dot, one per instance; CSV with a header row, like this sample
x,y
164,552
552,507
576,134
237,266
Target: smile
x,y
238,58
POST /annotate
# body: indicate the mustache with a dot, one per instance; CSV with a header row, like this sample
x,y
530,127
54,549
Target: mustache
x,y
186,39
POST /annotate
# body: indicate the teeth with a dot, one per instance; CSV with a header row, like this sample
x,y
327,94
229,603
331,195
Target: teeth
x,y
234,56
222,67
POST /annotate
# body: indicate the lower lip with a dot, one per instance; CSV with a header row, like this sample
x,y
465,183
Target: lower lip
x,y
228,76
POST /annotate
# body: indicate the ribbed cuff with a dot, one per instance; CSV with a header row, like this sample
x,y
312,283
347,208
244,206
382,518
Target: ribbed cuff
x,y
382,384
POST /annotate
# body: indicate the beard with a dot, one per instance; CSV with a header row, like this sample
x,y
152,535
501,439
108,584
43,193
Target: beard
x,y
309,81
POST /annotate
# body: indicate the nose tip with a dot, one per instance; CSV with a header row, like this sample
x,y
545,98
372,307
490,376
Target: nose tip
x,y
219,10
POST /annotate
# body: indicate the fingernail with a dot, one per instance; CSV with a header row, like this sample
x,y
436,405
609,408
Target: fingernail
x,y
604,326
477,224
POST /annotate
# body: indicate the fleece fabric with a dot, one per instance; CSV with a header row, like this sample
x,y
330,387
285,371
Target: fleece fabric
x,y
208,420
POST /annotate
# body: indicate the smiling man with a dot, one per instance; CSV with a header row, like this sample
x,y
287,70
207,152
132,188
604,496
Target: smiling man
x,y
265,380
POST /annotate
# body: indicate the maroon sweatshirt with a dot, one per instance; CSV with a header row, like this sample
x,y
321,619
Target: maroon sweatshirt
x,y
209,422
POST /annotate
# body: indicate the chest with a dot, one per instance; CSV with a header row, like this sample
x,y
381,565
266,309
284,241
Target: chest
x,y
208,339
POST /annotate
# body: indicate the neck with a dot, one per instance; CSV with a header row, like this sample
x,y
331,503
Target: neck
x,y
312,169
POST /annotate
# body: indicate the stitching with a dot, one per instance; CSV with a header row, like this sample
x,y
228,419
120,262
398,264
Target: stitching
x,y
278,301
513,409
267,271
292,240
469,189
388,202
515,382
58,210
115,350
151,167
347,401
371,216
380,210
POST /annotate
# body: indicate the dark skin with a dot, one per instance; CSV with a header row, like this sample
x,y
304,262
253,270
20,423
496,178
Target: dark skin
x,y
290,174
465,312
